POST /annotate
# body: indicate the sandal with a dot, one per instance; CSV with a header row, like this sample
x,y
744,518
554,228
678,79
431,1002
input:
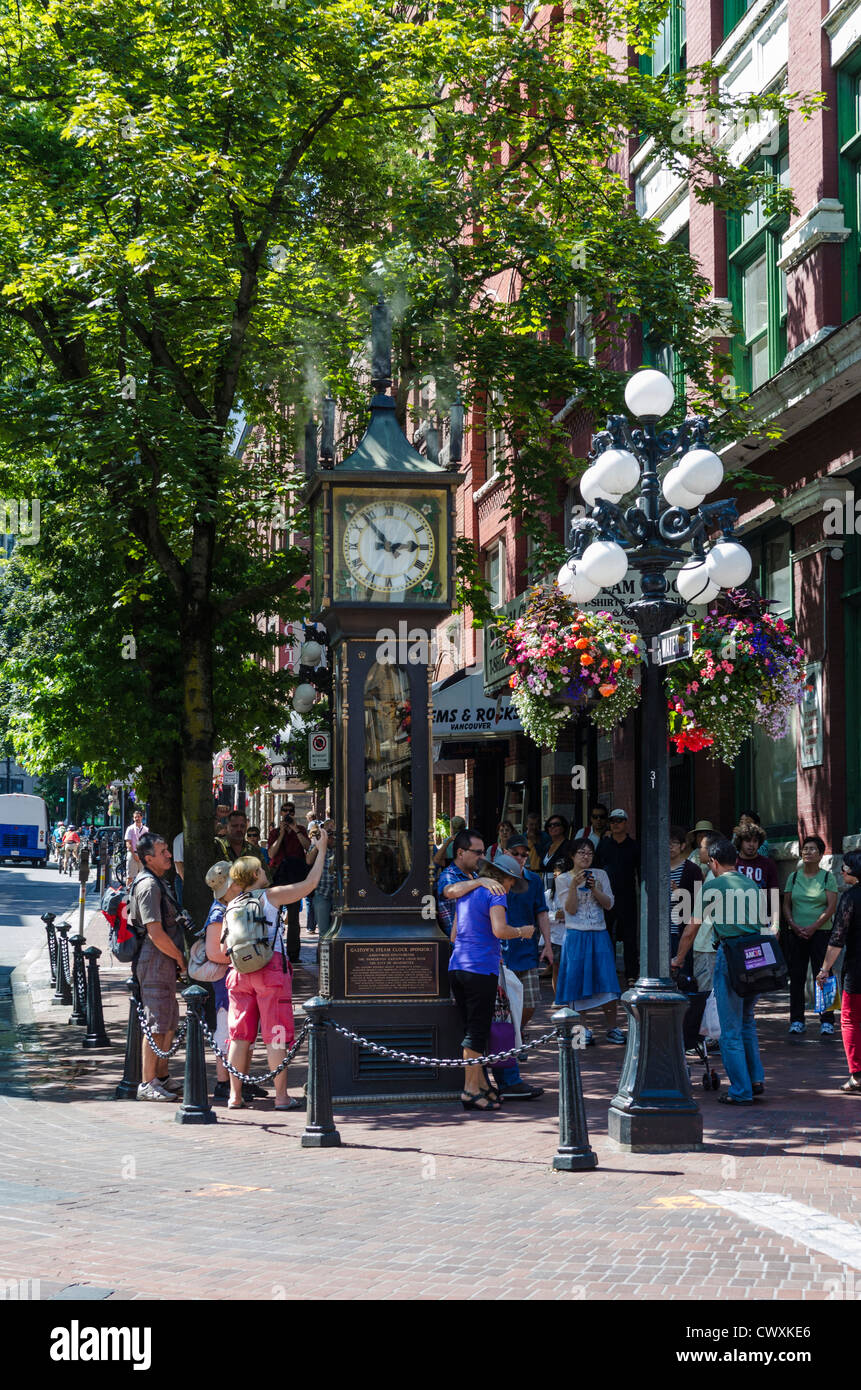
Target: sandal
x,y
470,1100
236,1104
293,1103
853,1084
731,1100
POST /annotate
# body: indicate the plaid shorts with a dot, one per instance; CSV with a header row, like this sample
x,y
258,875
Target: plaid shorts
x,y
157,977
531,988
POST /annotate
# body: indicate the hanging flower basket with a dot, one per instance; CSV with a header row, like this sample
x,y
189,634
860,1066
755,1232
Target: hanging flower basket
x,y
565,659
746,670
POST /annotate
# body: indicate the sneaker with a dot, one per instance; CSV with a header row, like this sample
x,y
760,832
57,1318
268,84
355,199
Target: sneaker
x,y
151,1090
797,1027
826,1030
615,1035
588,1037
250,1091
170,1083
521,1090
221,1090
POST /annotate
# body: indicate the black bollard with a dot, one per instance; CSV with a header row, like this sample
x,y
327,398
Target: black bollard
x,y
195,1108
132,1075
574,1153
320,1131
79,980
63,991
50,931
96,1034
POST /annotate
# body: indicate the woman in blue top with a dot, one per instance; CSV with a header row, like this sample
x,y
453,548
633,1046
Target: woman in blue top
x,y
479,926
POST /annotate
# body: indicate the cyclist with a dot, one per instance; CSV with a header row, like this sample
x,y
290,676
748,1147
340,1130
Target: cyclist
x,y
71,849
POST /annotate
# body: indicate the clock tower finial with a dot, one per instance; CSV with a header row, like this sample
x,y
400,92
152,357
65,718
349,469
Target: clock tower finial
x,y
381,346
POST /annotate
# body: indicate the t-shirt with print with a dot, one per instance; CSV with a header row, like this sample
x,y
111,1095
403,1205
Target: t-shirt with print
x,y
476,948
521,910
589,915
808,896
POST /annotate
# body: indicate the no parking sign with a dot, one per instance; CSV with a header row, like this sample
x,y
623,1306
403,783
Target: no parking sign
x,y
319,751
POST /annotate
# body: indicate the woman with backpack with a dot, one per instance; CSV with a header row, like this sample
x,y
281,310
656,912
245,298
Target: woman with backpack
x,y
809,900
259,983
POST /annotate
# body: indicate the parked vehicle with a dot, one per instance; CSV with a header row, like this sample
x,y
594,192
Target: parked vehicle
x,y
23,829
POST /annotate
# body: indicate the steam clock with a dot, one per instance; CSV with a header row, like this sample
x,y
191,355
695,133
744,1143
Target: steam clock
x,y
383,535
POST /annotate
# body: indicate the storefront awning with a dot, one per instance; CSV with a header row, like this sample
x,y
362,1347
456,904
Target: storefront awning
x,y
462,711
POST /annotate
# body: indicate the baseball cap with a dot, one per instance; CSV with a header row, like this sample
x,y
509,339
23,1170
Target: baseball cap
x,y
618,814
518,842
218,877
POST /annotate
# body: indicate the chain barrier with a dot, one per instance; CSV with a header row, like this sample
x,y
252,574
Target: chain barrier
x,y
493,1060
175,1045
266,1076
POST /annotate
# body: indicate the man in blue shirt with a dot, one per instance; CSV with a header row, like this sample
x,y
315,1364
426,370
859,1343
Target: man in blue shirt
x,y
467,848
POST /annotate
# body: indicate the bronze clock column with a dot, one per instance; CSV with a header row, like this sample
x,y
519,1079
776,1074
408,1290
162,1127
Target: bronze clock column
x,y
382,529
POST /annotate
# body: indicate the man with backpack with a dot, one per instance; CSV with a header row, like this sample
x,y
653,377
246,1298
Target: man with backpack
x,y
152,913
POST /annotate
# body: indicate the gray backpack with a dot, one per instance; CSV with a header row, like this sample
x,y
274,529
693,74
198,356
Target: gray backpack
x,y
245,935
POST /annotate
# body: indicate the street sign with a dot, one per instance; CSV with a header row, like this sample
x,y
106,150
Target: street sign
x,y
319,751
283,776
229,775
673,645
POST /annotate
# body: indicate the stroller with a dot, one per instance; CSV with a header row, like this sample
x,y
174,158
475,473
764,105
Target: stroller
x,y
691,1029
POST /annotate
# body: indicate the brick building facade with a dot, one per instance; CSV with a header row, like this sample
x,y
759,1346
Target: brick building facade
x,y
791,296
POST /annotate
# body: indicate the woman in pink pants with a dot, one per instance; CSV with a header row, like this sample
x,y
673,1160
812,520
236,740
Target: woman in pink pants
x,y
846,932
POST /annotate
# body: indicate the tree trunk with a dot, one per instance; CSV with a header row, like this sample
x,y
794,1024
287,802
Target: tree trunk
x,y
165,797
198,746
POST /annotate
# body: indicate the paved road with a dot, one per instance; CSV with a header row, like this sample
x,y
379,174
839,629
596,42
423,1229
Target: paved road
x,y
25,893
429,1203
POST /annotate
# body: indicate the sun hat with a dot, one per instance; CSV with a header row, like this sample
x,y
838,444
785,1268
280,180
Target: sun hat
x,y
507,864
702,825
218,877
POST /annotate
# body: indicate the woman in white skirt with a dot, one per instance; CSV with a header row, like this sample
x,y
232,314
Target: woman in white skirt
x,y
587,970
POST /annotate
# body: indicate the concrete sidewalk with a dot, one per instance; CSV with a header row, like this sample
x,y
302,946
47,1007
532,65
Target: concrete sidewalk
x,y
426,1203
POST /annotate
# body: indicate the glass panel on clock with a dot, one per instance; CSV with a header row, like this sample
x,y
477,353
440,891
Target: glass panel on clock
x,y
388,777
388,547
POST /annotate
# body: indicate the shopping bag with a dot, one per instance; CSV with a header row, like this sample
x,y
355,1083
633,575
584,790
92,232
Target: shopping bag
x,y
827,996
513,990
710,1025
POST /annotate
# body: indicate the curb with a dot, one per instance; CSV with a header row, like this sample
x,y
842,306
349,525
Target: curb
x,y
32,990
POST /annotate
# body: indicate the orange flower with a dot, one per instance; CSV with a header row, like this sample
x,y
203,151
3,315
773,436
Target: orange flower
x,y
606,690
582,643
616,664
586,660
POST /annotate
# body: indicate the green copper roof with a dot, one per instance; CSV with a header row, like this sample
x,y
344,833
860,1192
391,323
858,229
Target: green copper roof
x,y
384,447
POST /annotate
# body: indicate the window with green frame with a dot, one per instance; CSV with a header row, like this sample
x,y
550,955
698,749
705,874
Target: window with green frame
x,y
757,287
849,179
766,772
733,11
669,53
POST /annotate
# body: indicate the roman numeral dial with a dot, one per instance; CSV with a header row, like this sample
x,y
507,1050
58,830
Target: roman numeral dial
x,y
388,546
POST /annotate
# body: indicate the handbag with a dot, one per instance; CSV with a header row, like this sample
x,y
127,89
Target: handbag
x,y
755,964
200,967
501,1030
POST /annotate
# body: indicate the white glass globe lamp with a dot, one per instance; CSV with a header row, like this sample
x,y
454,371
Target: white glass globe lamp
x,y
604,563
677,494
575,585
728,564
649,394
592,488
617,470
310,654
303,698
700,471
694,584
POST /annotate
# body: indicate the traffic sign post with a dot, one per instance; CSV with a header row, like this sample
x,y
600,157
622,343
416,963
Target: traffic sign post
x,y
319,750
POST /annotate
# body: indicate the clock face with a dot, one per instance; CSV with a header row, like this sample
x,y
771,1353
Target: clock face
x,y
388,546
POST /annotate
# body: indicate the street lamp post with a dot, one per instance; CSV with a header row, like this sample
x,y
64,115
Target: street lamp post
x,y
654,1105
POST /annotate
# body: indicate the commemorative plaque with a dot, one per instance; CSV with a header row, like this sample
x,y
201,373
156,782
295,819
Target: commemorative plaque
x,y
391,970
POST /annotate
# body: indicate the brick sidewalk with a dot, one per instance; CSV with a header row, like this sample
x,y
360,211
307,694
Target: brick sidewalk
x,y
426,1203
